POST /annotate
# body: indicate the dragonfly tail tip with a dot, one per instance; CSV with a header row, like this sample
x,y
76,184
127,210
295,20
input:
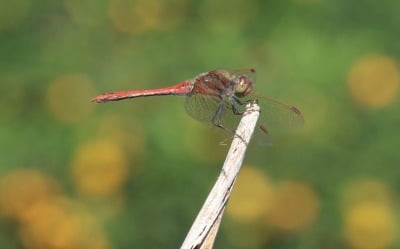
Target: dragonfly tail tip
x,y
97,100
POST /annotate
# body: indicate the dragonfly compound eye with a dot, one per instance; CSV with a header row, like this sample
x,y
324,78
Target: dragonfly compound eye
x,y
242,86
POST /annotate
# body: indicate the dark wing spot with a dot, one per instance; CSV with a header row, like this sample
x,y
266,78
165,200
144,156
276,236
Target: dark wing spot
x,y
295,110
264,129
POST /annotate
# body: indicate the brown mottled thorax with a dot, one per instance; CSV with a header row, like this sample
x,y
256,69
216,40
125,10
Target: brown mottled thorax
x,y
211,83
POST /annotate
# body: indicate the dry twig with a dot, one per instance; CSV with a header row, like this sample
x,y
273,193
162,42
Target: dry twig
x,y
205,227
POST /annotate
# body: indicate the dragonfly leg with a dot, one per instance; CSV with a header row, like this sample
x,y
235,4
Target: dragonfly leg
x,y
216,120
235,100
240,102
235,110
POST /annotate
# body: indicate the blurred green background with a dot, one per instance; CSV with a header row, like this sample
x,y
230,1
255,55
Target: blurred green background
x,y
133,174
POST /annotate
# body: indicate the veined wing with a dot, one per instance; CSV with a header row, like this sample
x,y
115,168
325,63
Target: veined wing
x,y
276,114
202,107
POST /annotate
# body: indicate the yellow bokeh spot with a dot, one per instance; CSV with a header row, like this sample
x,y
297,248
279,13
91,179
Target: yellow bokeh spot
x,y
295,206
135,16
374,81
68,98
99,168
370,226
251,197
124,130
367,191
21,189
61,223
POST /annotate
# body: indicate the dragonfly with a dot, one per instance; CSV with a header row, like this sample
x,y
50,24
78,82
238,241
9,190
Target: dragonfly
x,y
210,96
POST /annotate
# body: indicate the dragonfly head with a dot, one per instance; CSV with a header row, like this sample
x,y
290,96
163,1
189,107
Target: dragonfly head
x,y
243,85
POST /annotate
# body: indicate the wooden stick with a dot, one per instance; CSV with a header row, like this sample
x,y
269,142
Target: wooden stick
x,y
205,227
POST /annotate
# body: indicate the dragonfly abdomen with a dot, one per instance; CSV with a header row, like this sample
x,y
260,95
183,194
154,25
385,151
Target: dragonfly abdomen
x,y
183,88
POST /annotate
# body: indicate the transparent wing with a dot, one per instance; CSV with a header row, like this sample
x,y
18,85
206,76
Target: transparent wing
x,y
276,114
202,107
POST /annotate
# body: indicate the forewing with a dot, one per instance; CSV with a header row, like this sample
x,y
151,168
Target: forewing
x,y
276,114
